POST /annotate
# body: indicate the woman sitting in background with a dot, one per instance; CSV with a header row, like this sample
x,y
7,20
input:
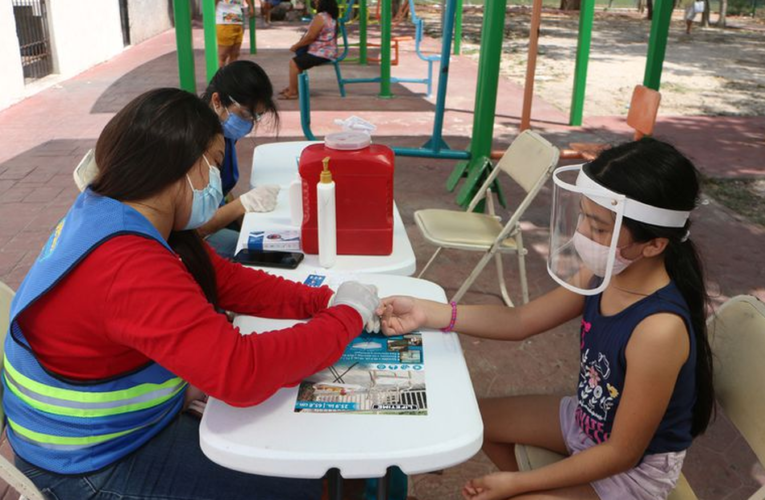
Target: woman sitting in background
x,y
317,46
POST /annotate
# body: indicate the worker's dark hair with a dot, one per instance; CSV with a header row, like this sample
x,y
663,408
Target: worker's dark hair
x,y
147,146
248,84
657,174
328,6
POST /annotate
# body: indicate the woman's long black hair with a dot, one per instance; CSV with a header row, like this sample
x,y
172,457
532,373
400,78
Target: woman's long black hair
x,y
328,6
248,84
147,146
657,174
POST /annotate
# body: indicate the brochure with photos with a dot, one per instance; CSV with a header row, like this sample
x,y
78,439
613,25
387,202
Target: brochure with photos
x,y
375,375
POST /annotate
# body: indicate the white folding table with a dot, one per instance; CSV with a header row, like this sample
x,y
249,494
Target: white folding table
x,y
277,164
272,439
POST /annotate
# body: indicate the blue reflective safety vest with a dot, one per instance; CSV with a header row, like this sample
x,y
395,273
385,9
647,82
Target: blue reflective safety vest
x,y
74,427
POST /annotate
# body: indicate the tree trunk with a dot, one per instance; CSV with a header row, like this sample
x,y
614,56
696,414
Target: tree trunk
x,y
723,12
705,15
641,6
649,8
570,4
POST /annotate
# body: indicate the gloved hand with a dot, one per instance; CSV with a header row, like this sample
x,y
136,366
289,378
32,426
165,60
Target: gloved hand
x,y
363,298
260,199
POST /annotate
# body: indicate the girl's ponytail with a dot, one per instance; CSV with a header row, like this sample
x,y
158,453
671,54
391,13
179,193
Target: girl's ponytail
x,y
681,259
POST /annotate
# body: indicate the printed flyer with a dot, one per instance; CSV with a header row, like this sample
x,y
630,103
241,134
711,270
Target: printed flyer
x,y
376,375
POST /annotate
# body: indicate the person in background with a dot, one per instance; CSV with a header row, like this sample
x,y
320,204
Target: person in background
x,y
317,46
265,7
229,27
629,268
95,388
241,95
691,9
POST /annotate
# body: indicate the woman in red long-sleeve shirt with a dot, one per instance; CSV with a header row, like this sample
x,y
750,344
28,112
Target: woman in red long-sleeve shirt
x,y
137,296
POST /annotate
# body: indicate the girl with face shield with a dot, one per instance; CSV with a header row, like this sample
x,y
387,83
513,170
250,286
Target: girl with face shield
x,y
123,312
621,251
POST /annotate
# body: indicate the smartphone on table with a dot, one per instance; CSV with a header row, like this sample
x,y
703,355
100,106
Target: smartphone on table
x,y
284,260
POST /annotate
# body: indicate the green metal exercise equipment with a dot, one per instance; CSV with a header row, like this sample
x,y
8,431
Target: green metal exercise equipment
x,y
435,147
385,25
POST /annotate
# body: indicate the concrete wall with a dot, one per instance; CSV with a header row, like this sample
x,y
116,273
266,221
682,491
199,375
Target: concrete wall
x,y
148,18
11,76
83,33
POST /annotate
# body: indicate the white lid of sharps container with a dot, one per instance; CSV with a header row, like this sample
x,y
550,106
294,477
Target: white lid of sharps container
x,y
347,140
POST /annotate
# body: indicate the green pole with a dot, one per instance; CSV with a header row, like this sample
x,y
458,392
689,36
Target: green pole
x,y
385,28
657,43
586,16
362,32
185,45
253,41
485,102
211,41
458,30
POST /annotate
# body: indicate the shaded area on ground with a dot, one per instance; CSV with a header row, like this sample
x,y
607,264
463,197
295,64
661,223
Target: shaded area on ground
x,y
55,128
323,83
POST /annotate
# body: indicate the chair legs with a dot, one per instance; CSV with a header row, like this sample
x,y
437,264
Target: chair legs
x,y
522,267
438,251
340,81
501,279
430,78
473,275
500,273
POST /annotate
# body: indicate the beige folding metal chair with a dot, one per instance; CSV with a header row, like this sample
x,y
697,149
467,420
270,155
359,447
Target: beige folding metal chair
x,y
8,471
86,170
737,336
529,161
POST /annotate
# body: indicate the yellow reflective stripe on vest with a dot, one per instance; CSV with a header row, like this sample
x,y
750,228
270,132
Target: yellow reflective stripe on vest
x,y
65,440
91,412
86,397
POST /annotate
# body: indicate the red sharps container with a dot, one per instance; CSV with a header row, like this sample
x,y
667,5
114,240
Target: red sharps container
x,y
363,175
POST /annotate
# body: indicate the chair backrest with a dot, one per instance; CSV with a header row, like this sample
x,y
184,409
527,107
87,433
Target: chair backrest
x,y
86,170
737,336
8,471
528,159
644,107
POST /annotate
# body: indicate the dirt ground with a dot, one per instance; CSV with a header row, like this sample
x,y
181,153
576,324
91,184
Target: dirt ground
x,y
709,72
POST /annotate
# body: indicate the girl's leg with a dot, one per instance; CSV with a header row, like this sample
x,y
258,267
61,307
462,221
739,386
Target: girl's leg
x,y
223,55
582,492
532,420
234,53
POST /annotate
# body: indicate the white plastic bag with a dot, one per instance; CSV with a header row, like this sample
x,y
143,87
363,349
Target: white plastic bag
x,y
357,124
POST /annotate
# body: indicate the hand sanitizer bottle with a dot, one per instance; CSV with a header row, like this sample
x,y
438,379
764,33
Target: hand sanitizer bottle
x,y
327,226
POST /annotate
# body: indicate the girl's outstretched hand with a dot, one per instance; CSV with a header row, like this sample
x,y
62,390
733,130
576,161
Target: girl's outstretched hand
x,y
497,486
400,315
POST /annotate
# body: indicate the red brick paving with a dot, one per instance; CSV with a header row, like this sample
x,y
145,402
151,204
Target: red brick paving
x,y
44,137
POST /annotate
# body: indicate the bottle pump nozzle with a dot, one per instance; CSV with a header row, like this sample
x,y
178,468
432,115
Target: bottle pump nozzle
x,y
326,176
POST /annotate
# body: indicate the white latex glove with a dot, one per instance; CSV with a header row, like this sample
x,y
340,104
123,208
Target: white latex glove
x,y
260,199
363,298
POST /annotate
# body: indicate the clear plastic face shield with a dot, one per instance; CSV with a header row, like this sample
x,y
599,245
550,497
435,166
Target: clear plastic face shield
x,y
586,230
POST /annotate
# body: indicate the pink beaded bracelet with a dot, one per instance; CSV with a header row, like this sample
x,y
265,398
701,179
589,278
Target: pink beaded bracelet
x,y
450,327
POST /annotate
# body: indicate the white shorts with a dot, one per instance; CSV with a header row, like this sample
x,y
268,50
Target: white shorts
x,y
652,479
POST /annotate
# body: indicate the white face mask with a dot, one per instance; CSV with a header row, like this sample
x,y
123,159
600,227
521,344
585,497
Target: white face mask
x,y
595,256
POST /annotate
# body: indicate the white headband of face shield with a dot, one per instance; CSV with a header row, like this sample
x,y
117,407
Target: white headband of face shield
x,y
633,209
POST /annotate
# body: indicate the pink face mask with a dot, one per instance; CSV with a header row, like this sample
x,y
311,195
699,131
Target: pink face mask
x,y
595,256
